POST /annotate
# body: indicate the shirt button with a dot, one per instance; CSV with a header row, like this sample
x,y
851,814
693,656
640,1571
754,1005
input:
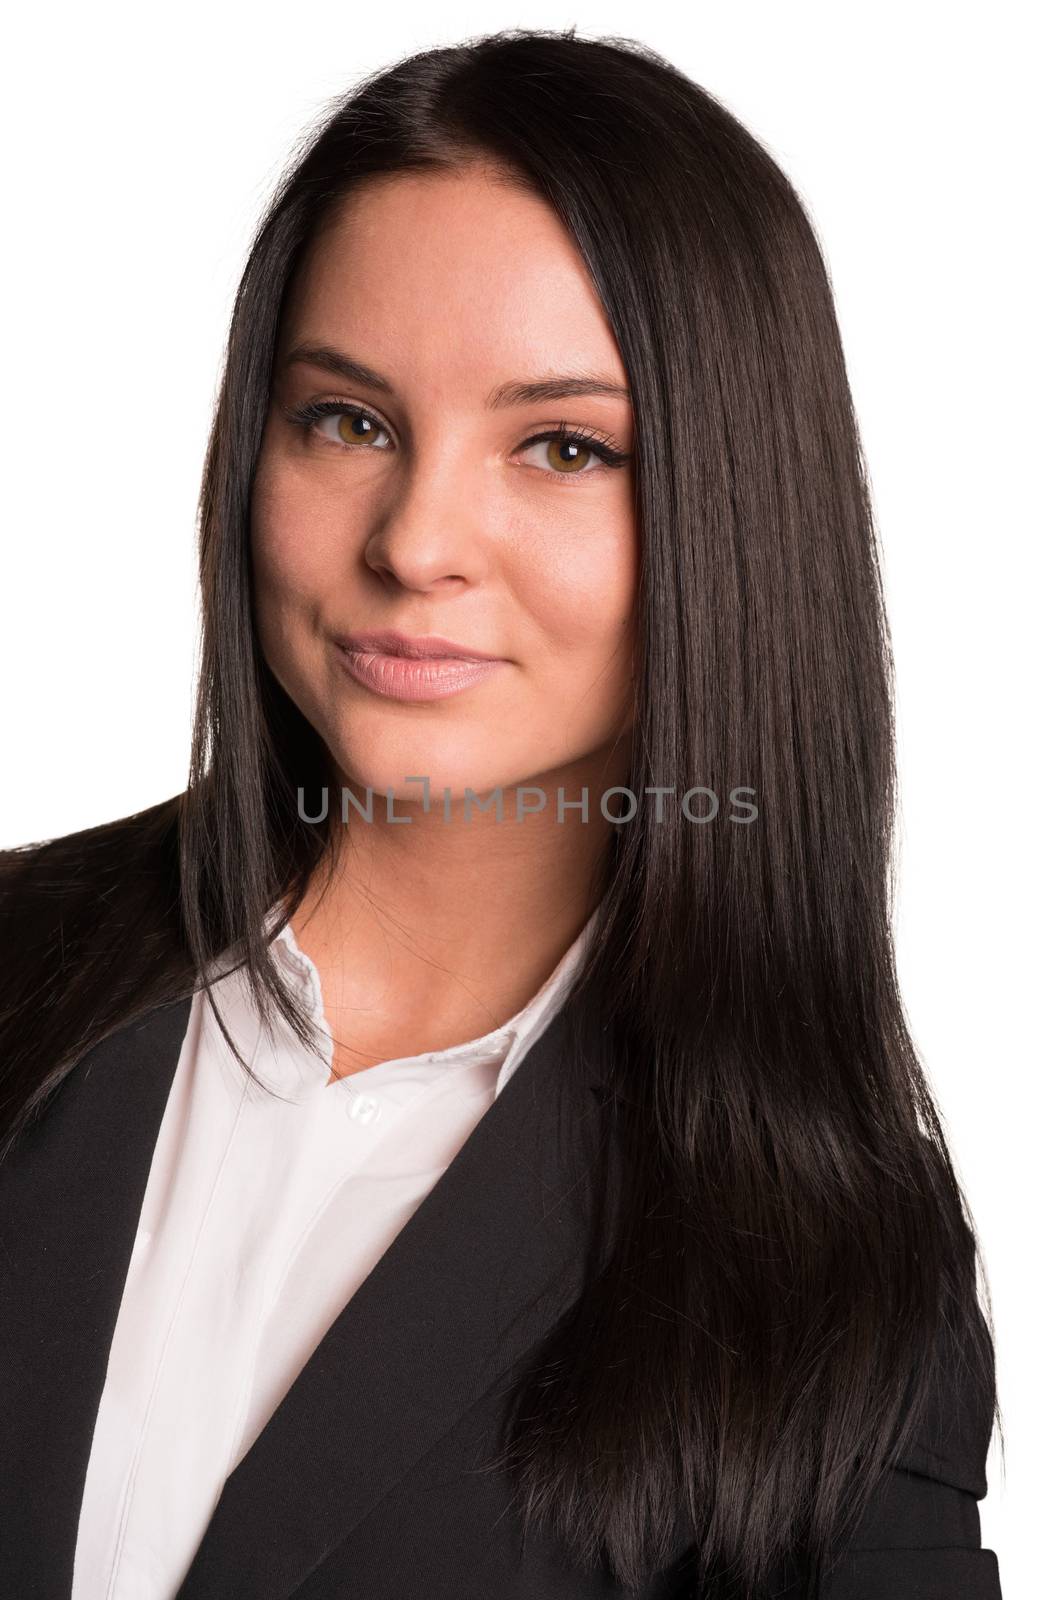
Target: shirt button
x,y
364,1108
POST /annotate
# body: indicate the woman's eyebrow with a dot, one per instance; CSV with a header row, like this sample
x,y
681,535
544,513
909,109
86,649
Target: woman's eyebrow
x,y
555,387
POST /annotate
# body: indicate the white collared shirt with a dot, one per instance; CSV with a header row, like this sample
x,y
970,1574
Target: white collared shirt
x,y
261,1217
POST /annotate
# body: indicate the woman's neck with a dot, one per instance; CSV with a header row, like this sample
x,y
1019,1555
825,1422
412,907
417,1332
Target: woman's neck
x,y
436,931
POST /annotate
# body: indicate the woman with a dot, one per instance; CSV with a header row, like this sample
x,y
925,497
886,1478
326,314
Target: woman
x,y
662,1282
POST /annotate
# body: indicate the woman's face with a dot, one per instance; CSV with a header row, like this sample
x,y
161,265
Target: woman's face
x,y
419,501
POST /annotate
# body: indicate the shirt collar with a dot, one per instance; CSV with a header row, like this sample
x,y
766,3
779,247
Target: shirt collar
x,y
505,1046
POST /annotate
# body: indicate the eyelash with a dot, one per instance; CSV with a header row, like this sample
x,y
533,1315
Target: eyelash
x,y
305,416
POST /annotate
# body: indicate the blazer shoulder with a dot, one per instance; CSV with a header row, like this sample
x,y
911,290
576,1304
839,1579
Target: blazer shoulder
x,y
90,934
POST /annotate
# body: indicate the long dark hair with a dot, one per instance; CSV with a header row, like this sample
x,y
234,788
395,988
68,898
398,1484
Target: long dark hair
x,y
792,1238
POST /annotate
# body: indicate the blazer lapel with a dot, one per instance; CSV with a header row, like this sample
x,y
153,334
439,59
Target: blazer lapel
x,y
481,1269
71,1192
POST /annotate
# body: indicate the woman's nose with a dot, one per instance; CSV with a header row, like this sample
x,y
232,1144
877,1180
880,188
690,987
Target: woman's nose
x,y
432,530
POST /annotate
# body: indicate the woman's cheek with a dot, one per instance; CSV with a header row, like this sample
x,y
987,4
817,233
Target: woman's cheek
x,y
587,598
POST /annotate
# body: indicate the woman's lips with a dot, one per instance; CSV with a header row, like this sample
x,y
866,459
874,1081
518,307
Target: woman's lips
x,y
411,677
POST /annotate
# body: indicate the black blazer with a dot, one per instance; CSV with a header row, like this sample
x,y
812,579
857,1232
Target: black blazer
x,y
373,1479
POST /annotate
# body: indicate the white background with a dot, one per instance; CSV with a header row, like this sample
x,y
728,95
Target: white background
x,y
139,147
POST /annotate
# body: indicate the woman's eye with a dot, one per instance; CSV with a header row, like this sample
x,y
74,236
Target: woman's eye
x,y
358,427
341,424
562,454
